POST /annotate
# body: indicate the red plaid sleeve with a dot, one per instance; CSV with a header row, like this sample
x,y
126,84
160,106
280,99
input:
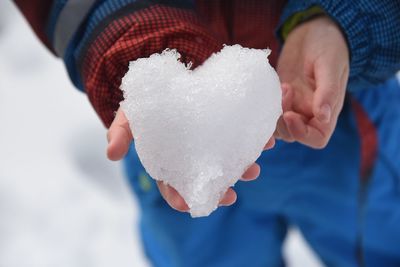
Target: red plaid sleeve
x,y
138,35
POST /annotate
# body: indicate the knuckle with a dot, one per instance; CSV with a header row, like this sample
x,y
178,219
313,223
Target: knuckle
x,y
319,146
334,92
179,204
330,93
321,143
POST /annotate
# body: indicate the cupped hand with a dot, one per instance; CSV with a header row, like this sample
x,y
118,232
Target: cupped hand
x,y
119,137
314,68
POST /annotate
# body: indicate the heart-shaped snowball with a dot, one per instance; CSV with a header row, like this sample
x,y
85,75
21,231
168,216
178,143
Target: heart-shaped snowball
x,y
200,130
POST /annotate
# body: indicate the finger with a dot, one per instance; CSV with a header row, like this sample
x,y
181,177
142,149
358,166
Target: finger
x,y
308,132
251,173
330,91
299,96
229,198
287,97
276,135
270,144
281,131
173,198
119,137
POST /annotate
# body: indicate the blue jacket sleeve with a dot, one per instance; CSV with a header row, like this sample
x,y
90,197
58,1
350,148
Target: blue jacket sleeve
x,y
372,31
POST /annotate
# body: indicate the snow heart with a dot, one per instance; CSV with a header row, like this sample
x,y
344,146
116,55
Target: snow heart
x,y
200,130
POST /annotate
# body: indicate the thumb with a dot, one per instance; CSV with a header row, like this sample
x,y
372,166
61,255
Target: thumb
x,y
329,93
119,137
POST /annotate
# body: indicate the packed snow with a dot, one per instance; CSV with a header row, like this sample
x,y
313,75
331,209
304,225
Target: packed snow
x,y
61,202
200,130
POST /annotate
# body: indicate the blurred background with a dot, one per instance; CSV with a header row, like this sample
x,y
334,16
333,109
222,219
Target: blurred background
x,y
62,203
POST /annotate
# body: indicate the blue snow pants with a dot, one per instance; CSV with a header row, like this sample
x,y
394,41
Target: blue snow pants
x,y
345,199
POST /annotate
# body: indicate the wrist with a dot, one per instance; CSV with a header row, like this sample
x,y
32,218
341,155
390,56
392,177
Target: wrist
x,y
321,25
323,34
300,18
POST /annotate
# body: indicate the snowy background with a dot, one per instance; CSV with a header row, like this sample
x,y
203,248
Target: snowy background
x,y
61,202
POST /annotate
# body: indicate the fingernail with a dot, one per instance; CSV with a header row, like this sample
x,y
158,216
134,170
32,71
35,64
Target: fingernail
x,y
325,113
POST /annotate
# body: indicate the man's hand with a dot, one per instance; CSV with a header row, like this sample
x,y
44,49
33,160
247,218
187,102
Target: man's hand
x,y
314,69
119,137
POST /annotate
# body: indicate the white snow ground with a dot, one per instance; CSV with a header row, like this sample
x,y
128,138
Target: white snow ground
x,y
61,202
